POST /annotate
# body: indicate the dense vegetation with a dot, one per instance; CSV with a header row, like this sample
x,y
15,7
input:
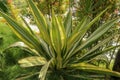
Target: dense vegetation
x,y
76,40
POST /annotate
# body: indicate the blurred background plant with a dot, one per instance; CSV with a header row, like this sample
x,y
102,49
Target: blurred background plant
x,y
92,8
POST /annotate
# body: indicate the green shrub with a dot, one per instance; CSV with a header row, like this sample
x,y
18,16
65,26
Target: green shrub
x,y
7,36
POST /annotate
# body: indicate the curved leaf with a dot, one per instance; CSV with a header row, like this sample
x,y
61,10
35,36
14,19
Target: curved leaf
x,y
40,21
97,34
68,24
32,61
95,69
43,70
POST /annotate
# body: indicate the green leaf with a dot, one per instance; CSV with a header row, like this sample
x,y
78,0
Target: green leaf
x,y
68,24
81,25
38,15
22,46
87,56
24,34
40,21
84,27
26,76
18,29
32,61
97,34
78,34
46,48
103,51
78,30
102,29
95,19
55,35
43,70
61,31
90,68
27,25
78,76
76,37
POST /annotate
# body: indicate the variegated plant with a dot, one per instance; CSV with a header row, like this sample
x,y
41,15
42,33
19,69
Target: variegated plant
x,y
59,50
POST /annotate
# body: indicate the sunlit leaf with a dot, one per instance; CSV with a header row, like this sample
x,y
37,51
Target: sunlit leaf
x,y
95,69
32,61
43,71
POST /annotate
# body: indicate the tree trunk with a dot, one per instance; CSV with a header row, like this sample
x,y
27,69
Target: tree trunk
x,y
116,66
